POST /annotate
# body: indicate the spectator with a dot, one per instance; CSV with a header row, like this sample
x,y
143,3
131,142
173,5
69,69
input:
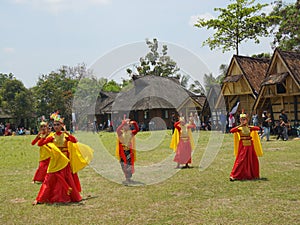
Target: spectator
x,y
174,119
255,119
223,122
231,121
285,120
266,124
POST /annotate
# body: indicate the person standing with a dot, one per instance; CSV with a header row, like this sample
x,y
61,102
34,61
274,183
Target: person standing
x,y
125,151
255,119
231,121
174,119
223,122
247,148
284,118
44,160
182,142
61,184
266,124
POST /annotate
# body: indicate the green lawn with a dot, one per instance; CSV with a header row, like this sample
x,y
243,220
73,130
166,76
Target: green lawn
x,y
187,196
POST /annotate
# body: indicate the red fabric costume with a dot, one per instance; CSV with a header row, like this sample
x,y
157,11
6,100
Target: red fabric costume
x,y
246,165
44,160
61,186
125,150
184,147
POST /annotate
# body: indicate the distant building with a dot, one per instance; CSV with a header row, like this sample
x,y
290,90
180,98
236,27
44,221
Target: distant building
x,y
150,100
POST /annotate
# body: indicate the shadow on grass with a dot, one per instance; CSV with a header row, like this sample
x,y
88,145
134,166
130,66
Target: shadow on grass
x,y
254,180
82,202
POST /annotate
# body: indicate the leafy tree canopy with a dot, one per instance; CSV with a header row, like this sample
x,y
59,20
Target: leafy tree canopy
x,y
240,21
286,27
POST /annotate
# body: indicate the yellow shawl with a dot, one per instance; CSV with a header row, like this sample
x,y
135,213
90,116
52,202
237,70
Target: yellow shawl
x,y
176,137
255,139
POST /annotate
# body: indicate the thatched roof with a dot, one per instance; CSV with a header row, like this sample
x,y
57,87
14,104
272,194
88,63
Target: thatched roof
x,y
105,101
292,60
274,79
254,69
153,92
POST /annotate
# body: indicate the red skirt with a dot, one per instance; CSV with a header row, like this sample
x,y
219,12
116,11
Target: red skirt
x,y
246,165
183,152
41,171
60,187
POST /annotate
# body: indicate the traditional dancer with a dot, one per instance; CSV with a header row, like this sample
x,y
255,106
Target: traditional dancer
x,y
41,171
182,142
125,150
61,184
247,147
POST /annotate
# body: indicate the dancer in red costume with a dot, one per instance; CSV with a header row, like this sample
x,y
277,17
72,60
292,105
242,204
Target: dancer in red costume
x,y
61,184
182,142
41,171
247,147
125,150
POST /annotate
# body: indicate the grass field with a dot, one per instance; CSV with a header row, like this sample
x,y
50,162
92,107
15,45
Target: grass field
x,y
189,196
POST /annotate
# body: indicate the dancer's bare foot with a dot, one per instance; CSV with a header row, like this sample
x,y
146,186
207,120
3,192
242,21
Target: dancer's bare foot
x,y
35,202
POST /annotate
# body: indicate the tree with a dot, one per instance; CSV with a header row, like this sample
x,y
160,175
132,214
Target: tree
x,y
111,86
55,91
223,70
3,78
286,27
240,21
155,63
16,99
209,81
196,87
262,55
158,64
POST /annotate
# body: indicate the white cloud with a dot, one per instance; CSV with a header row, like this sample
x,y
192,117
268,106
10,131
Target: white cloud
x,y
8,50
56,6
194,19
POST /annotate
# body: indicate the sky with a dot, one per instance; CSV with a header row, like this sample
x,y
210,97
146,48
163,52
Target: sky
x,y
39,36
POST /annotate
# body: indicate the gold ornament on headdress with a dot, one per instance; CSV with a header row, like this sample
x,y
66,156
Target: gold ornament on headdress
x,y
56,117
243,114
43,123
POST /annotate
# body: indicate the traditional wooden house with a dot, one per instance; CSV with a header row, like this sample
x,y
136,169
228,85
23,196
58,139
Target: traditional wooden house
x,y
150,101
242,83
281,87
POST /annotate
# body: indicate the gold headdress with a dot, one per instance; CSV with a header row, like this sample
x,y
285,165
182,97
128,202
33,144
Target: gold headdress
x,y
56,117
43,123
243,114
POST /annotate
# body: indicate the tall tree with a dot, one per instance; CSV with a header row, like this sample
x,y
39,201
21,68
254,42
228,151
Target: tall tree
x,y
286,27
55,91
210,81
158,64
240,21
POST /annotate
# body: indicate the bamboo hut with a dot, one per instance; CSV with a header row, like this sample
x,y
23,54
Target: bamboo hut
x,y
242,83
281,87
